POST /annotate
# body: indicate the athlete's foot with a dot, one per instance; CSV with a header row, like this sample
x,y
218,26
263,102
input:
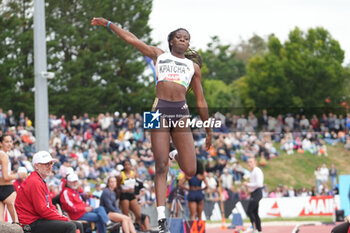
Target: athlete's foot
x,y
163,226
172,152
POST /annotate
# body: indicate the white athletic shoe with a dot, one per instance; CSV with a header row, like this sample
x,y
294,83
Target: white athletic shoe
x,y
172,152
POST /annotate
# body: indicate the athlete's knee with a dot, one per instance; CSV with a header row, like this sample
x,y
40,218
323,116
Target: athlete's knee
x,y
162,167
190,171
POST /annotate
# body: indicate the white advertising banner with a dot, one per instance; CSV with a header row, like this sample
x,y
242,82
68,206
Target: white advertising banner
x,y
289,207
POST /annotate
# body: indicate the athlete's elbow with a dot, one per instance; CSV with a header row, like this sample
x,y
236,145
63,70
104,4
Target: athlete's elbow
x,y
202,104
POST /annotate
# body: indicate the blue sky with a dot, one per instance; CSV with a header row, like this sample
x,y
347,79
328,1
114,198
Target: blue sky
x,y
233,20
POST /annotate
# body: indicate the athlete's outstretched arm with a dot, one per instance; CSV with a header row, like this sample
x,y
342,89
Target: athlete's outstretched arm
x,y
147,50
201,103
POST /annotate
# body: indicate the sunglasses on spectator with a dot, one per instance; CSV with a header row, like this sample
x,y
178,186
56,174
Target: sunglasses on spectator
x,y
47,164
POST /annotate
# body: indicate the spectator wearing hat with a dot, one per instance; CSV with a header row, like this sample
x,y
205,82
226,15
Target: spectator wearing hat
x,y
226,179
77,209
33,204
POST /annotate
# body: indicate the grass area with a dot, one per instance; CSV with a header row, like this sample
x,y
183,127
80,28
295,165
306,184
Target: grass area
x,y
297,170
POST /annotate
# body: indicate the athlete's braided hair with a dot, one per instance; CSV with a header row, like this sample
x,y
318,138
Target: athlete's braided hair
x,y
190,53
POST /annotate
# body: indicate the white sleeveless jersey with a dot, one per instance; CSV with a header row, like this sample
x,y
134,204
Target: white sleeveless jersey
x,y
9,166
174,69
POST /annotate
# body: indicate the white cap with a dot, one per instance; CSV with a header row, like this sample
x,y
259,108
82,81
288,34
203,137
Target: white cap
x,y
72,177
69,170
22,170
116,113
42,157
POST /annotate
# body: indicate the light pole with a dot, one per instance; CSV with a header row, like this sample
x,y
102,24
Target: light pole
x,y
40,74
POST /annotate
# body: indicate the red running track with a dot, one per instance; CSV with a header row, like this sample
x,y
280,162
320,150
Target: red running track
x,y
280,229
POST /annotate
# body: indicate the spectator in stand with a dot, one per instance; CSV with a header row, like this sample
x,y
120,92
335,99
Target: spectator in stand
x,y
331,121
304,123
212,190
109,203
2,120
226,179
315,123
77,209
318,176
333,173
98,191
271,124
347,122
341,122
238,172
289,123
347,144
241,123
287,143
337,123
324,121
10,119
22,119
33,204
263,120
308,146
253,120
324,173
297,122
124,121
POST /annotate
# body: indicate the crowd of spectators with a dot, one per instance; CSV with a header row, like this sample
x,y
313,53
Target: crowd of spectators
x,y
96,146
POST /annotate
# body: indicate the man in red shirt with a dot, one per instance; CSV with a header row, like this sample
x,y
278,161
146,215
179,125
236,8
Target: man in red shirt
x,y
33,204
77,209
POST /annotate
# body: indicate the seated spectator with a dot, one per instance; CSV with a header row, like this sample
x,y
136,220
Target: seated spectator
x,y
98,191
347,144
33,204
308,146
78,210
212,191
109,202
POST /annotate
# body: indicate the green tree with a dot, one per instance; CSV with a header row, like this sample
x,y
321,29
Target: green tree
x,y
219,96
221,62
245,50
95,70
16,56
299,74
